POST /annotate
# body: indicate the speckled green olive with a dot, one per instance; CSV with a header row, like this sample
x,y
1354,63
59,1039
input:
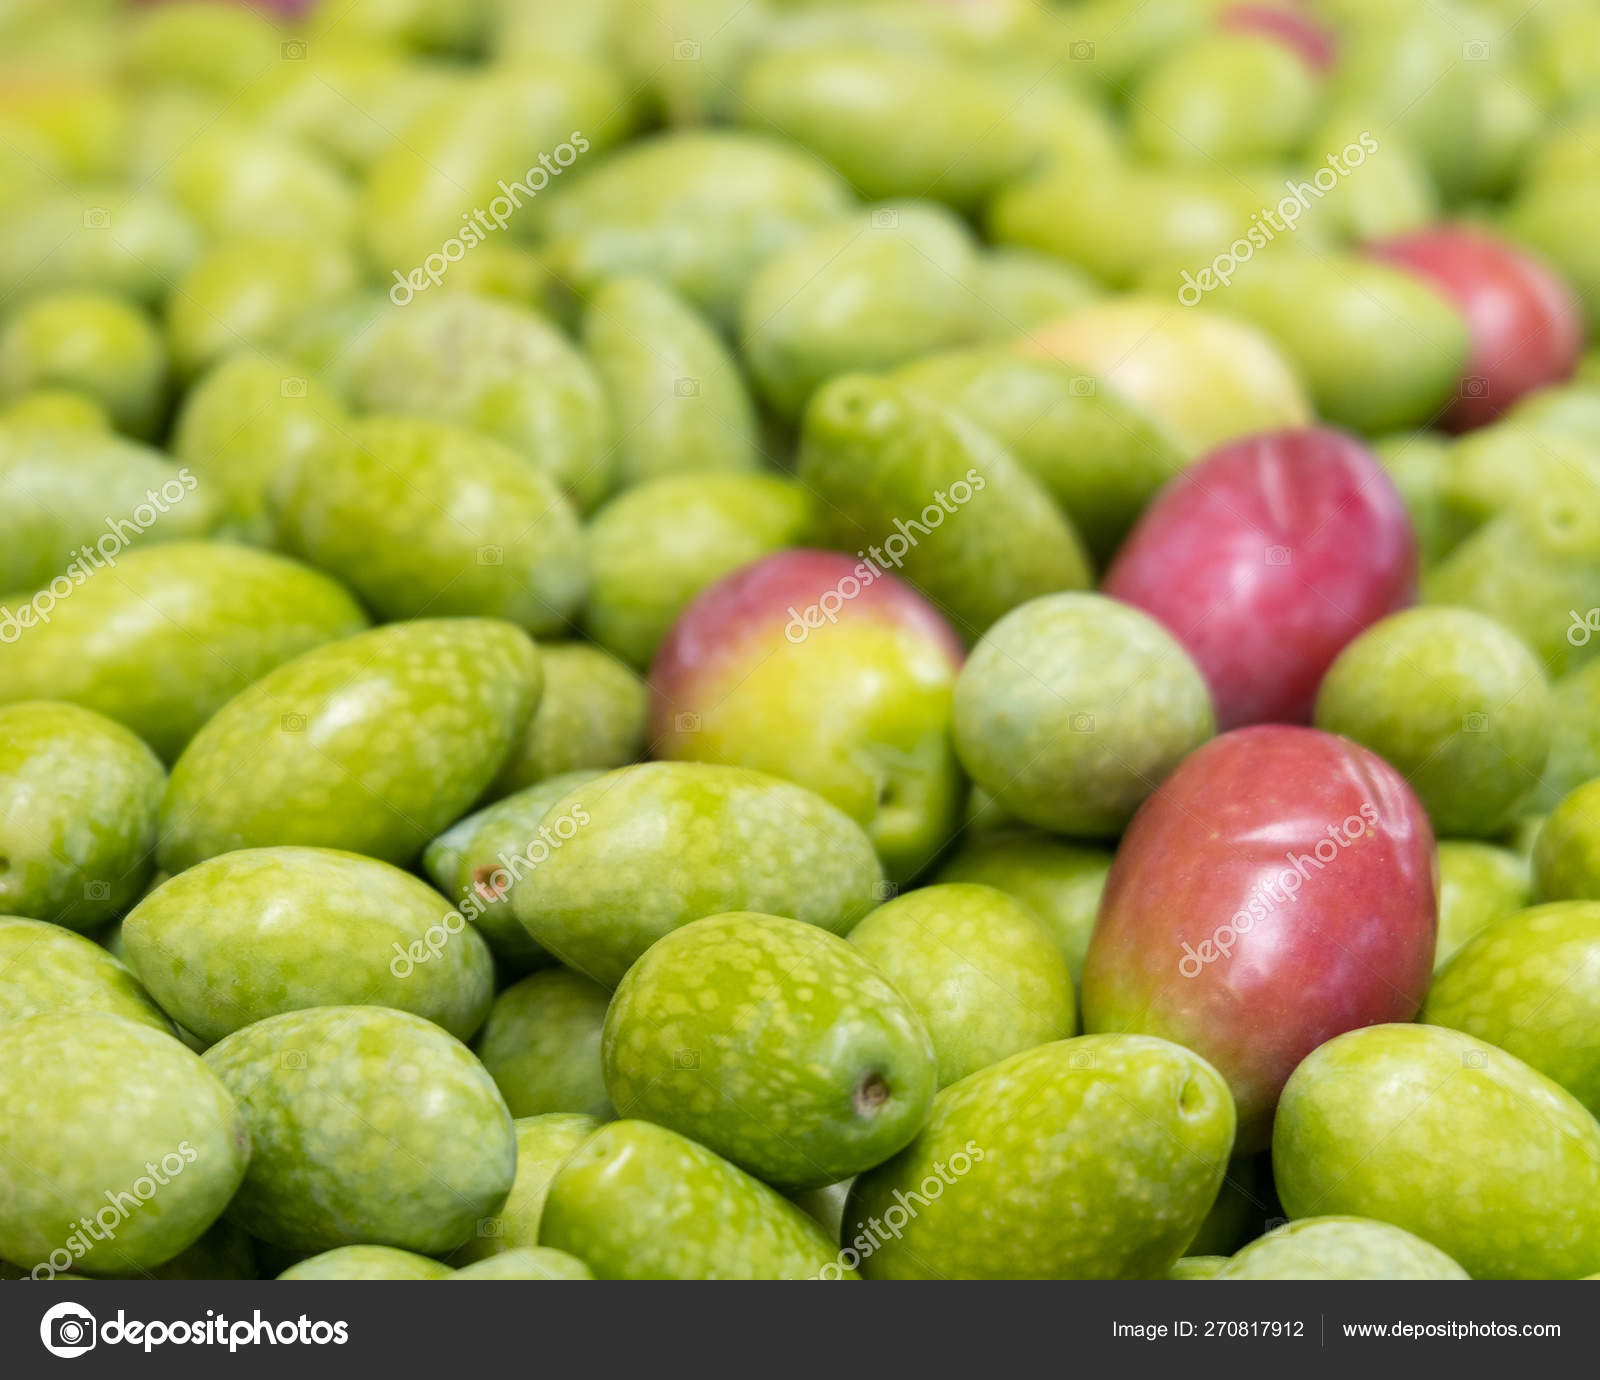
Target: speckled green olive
x,y
1556,218
541,1044
649,848
1528,984
79,797
1100,458
1574,735
1403,66
1093,1158
1059,882
71,498
368,1126
346,102
773,1043
1123,219
74,112
499,369
1340,1248
1419,463
1232,98
99,344
222,49
244,423
45,969
243,290
161,642
425,518
1387,191
106,1121
236,181
543,1144
1450,1138
894,123
477,161
914,486
1378,350
591,715
978,968
371,744
258,932
28,164
868,292
479,860
527,1262
421,26
99,238
1478,885
1073,708
700,209
367,1262
1456,702
1566,854
1535,568
1198,1267
677,393
656,546
1496,466
1018,287
637,1201
63,408
329,339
